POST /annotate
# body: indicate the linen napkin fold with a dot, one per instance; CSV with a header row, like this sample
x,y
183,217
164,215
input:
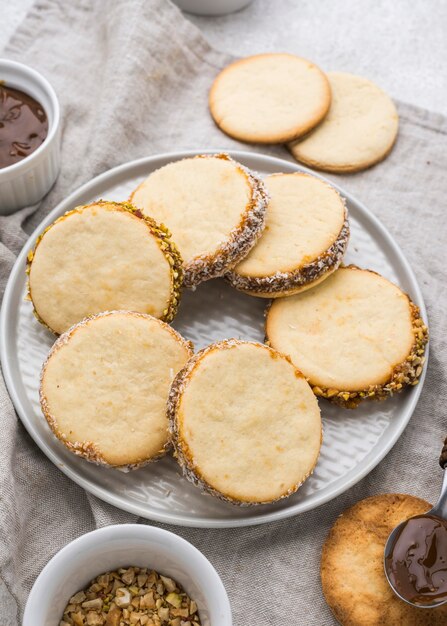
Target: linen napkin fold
x,y
132,77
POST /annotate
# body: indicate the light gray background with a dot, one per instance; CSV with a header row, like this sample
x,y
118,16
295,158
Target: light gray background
x,y
399,44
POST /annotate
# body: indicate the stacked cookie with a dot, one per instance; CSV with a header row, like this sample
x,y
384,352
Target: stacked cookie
x,y
121,387
244,423
356,336
215,209
105,383
304,241
336,122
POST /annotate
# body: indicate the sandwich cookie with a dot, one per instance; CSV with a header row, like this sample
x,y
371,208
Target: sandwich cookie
x,y
354,336
359,130
304,240
105,384
245,424
101,257
269,98
352,573
214,207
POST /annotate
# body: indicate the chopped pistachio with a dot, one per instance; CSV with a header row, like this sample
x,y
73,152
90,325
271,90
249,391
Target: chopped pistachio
x,y
168,583
130,596
96,603
175,599
78,598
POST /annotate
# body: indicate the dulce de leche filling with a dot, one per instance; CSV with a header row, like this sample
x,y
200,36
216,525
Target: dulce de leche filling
x,y
417,563
23,125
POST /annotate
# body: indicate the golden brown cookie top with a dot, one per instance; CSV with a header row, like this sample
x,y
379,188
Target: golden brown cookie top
x,y
354,336
359,130
269,98
304,240
100,257
105,384
244,422
213,206
352,573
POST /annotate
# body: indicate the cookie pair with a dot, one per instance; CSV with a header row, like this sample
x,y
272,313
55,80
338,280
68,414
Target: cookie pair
x,y
107,255
336,122
244,422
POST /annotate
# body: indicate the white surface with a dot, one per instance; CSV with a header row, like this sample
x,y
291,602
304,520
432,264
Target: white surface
x,y
27,181
211,7
353,443
112,547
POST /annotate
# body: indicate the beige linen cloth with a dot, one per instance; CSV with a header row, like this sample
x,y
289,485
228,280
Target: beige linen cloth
x,y
132,77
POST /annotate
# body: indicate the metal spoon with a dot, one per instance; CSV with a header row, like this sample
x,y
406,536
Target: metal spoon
x,y
439,510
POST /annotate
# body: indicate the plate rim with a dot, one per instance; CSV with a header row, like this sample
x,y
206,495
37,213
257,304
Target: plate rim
x,y
120,501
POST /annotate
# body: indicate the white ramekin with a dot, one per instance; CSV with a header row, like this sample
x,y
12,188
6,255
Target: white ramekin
x,y
124,545
26,182
211,7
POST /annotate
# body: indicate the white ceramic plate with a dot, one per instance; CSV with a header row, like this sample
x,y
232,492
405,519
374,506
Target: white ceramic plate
x,y
354,441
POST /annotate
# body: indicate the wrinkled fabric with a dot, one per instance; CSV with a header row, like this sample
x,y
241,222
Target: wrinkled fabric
x,y
132,77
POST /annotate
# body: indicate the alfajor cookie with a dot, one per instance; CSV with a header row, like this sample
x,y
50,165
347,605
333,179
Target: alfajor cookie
x,y
101,257
304,240
359,130
105,384
269,98
214,207
245,424
352,572
354,336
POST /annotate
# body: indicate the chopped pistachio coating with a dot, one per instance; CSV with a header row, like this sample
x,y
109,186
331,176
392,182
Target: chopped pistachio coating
x,y
158,231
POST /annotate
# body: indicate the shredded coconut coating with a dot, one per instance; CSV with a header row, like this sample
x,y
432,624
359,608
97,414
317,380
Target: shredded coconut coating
x,y
240,240
403,375
87,449
181,449
287,283
161,235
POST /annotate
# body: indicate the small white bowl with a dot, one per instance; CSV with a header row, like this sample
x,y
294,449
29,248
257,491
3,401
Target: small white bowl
x,y
109,548
212,7
27,181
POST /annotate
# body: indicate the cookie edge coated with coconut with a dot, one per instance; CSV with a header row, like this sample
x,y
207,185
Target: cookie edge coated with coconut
x,y
404,374
161,235
181,448
240,239
87,449
282,284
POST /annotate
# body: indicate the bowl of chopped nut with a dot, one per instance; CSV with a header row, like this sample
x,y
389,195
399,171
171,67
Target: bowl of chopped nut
x,y
128,574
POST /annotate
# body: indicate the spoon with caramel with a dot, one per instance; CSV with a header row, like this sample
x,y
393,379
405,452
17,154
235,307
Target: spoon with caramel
x,y
416,554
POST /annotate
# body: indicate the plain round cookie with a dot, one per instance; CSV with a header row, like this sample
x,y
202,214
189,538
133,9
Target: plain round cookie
x,y
214,208
105,384
359,130
101,257
304,240
354,336
244,423
352,573
269,98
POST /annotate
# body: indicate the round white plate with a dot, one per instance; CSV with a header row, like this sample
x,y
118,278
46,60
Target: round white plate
x,y
354,441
